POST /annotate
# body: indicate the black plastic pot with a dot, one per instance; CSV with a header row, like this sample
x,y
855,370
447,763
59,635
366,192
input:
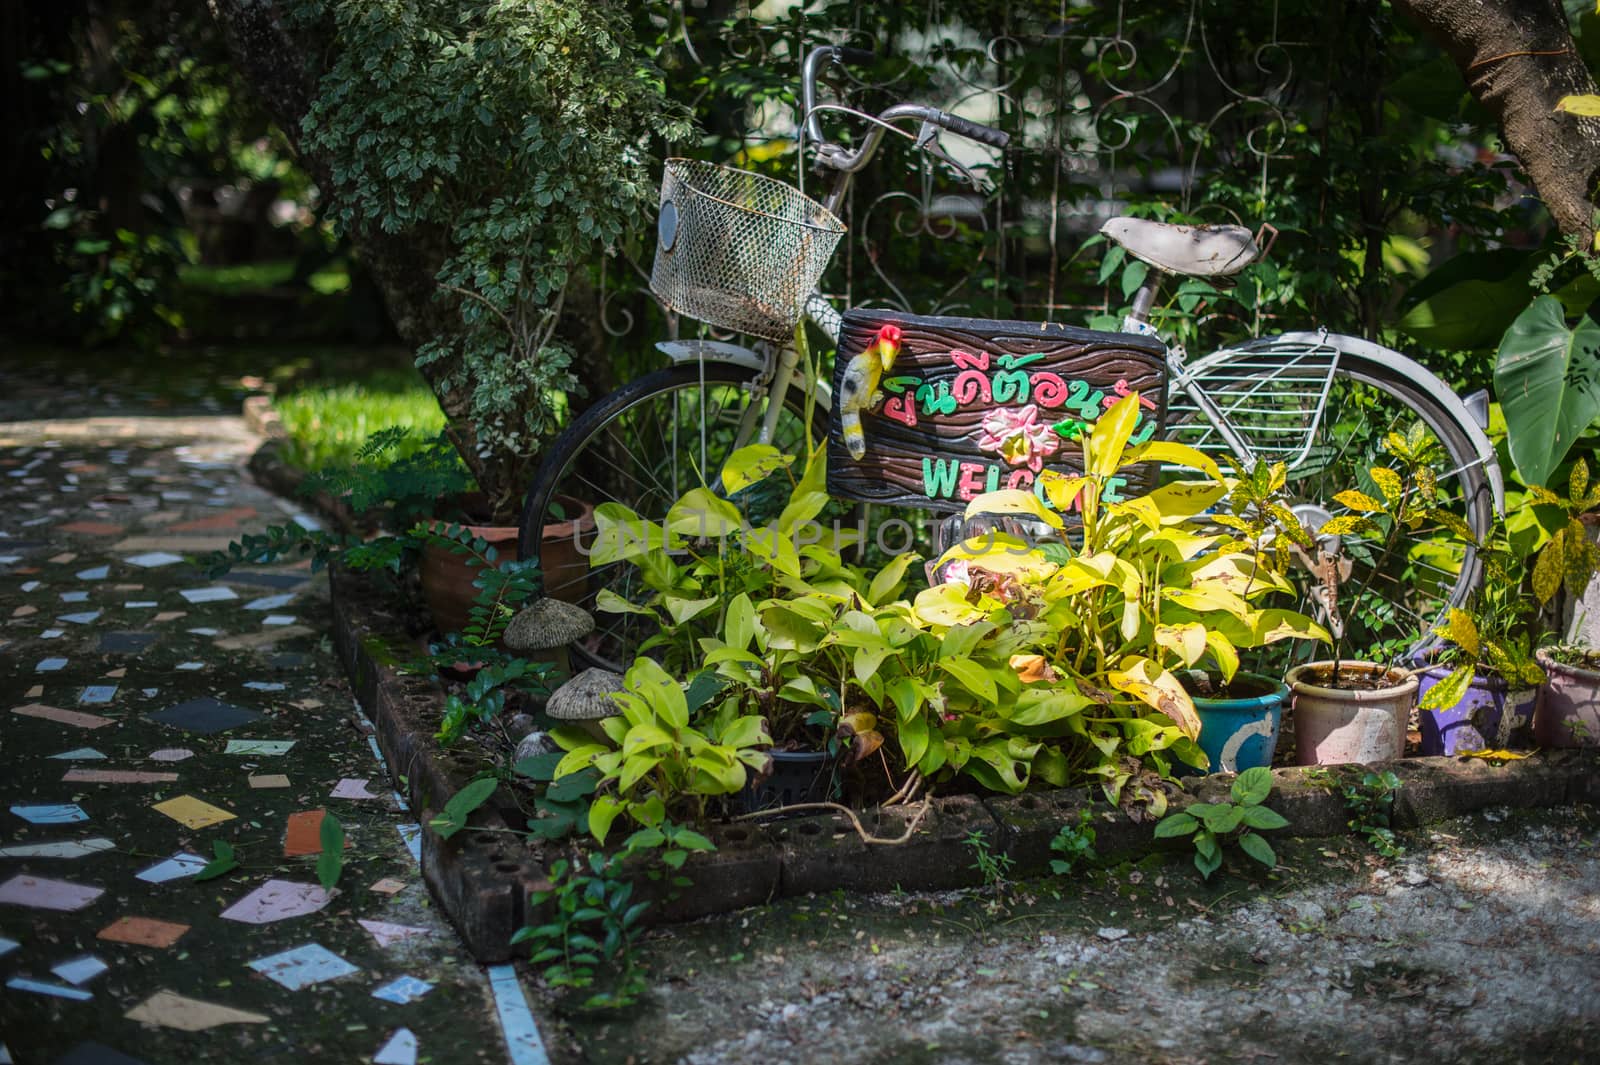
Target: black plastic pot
x,y
796,777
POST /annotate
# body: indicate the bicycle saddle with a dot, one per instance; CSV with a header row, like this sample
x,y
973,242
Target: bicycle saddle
x,y
1192,251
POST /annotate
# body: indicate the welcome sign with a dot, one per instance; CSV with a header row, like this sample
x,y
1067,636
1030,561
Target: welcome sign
x,y
973,405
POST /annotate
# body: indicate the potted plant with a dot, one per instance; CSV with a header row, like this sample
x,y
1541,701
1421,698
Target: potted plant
x,y
1567,711
1148,591
1356,711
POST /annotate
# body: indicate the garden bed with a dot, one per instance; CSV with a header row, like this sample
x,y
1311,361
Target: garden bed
x,y
481,876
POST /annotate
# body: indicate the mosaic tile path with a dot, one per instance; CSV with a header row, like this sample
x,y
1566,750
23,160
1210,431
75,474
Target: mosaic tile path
x,y
148,714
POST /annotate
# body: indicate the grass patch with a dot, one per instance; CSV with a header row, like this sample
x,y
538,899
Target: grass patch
x,y
252,277
327,423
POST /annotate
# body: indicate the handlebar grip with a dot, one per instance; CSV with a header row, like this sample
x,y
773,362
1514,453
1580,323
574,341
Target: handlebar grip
x,y
857,56
973,130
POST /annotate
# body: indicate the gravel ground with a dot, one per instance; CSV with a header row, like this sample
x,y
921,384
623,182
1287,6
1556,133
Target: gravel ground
x,y
1480,945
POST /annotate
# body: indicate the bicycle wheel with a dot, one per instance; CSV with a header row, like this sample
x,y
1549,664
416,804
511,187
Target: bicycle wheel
x,y
644,446
1331,429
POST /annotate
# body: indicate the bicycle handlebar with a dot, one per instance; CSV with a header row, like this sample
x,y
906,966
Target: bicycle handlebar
x,y
841,158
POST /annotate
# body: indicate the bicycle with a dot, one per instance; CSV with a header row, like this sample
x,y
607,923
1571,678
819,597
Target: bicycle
x,y
744,252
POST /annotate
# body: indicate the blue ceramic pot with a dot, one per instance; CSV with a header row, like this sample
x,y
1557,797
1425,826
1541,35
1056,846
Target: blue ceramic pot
x,y
1241,732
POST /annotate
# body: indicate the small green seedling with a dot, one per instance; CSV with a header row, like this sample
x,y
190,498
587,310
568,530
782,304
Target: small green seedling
x,y
1214,824
1075,844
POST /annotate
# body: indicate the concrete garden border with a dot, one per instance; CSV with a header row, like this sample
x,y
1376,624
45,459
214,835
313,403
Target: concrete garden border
x,y
481,876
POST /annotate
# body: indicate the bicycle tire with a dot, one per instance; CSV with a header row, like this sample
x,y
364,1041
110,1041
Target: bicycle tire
x,y
564,460
1474,497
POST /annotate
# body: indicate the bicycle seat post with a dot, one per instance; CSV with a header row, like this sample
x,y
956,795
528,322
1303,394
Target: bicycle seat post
x,y
1145,298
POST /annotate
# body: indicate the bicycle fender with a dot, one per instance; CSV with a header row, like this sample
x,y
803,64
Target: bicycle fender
x,y
717,351
713,350
1414,371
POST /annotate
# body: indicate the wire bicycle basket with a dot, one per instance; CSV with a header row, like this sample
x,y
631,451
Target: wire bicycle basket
x,y
739,250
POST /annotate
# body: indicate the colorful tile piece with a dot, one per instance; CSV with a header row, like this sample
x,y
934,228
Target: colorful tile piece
x,y
271,602
71,848
205,716
401,1049
117,776
269,780
38,893
66,813
277,900
411,836
50,665
143,932
94,573
403,990
214,594
192,812
304,834
265,686
303,966
97,694
38,987
269,748
180,865
171,1010
389,934
65,717
350,788
170,754
126,642
80,971
154,559
523,1044
80,754
388,886
8,945
83,618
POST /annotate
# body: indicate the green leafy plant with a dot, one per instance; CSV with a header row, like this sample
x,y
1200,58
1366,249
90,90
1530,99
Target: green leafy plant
x,y
1094,631
1547,376
561,806
459,807
996,868
1370,804
1074,842
1407,499
590,919
507,140
1213,825
657,761
330,863
1569,559
224,860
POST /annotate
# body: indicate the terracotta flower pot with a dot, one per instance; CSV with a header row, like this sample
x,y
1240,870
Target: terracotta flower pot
x,y
1337,726
447,577
1567,713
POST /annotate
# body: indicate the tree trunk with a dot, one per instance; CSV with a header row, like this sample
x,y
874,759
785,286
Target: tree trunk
x,y
1519,59
279,66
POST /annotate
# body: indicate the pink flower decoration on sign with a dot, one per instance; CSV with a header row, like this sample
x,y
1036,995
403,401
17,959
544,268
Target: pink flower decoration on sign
x,y
955,572
1018,435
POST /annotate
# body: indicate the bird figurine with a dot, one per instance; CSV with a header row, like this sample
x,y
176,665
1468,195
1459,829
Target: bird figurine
x,y
858,389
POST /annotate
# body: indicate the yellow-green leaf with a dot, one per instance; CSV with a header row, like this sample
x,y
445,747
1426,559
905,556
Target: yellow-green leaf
x,y
1151,684
1187,641
1490,755
1109,437
1549,566
1223,651
1345,524
1461,630
1586,105
702,513
751,464
1014,501
1388,482
1358,500
1578,482
1171,454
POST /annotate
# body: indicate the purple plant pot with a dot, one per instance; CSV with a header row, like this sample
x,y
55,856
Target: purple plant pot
x,y
1475,723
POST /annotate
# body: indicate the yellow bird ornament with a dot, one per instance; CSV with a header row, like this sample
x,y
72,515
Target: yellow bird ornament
x,y
858,389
